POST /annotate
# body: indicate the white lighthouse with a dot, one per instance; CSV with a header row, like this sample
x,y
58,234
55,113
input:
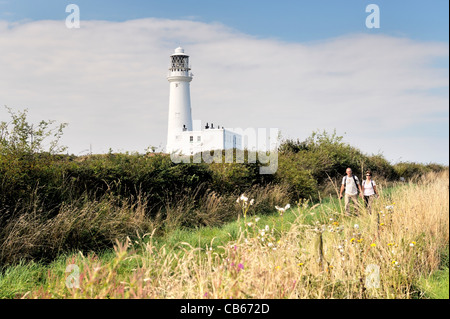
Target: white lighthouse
x,y
180,113
181,138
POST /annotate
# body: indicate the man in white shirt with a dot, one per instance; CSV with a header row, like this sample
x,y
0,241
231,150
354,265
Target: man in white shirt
x,y
351,185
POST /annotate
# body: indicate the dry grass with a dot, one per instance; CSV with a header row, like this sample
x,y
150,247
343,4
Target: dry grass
x,y
88,224
81,225
214,209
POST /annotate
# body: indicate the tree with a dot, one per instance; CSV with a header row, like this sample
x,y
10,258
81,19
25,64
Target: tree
x,y
18,136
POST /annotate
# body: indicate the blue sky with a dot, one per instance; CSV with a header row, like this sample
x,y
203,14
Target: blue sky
x,y
291,20
385,89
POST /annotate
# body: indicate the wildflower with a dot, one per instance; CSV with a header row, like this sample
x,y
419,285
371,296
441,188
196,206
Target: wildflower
x,y
267,228
257,219
373,245
250,224
263,233
279,242
243,198
281,210
336,224
331,219
391,244
412,244
300,264
205,295
278,267
352,240
270,244
240,266
356,226
360,240
252,201
382,224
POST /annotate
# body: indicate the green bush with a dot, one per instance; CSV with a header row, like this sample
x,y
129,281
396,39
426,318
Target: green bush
x,y
410,170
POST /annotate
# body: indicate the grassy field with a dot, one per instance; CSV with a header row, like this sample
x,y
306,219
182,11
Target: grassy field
x,y
308,251
436,286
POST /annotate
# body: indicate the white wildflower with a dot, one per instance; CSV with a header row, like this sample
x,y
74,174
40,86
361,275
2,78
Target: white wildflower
x,y
281,210
243,198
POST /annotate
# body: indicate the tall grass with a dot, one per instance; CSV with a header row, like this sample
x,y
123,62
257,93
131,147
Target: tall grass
x,y
381,255
90,224
84,224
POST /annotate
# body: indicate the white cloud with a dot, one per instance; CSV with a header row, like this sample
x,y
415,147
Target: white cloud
x,y
108,80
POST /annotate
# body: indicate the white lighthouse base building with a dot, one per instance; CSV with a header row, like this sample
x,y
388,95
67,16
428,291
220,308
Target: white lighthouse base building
x,y
209,139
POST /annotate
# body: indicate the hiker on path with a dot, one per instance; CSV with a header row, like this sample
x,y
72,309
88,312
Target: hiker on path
x,y
370,191
351,185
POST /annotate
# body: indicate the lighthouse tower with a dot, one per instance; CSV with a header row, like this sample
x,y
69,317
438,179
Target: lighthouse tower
x,y
180,112
181,137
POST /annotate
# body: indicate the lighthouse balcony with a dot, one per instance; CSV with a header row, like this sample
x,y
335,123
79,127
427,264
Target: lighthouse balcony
x,y
179,76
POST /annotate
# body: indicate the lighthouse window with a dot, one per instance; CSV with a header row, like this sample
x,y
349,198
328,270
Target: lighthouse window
x,y
176,85
199,138
191,139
